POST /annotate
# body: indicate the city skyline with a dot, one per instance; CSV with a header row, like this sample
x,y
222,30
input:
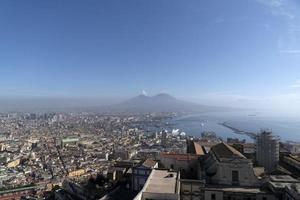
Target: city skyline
x,y
244,53
150,100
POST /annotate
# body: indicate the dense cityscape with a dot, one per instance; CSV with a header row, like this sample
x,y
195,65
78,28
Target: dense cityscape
x,y
141,156
149,100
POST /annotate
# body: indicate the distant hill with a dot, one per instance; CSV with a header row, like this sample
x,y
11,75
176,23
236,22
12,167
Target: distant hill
x,y
140,104
160,103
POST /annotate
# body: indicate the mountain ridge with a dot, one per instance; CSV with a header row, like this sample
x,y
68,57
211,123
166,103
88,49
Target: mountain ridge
x,y
161,102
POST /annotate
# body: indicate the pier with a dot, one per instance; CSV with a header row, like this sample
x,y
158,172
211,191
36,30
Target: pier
x,y
238,131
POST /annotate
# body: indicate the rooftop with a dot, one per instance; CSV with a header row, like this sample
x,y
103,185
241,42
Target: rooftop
x,y
283,178
295,187
149,163
179,157
296,158
198,148
234,189
281,181
223,150
161,181
70,139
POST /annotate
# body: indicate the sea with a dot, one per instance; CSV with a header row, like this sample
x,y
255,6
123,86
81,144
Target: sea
x,y
287,128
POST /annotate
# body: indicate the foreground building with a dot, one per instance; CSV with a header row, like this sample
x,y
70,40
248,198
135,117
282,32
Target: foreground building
x,y
218,192
161,185
186,164
227,166
292,192
227,175
141,173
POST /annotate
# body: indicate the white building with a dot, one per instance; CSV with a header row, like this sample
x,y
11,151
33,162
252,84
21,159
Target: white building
x,y
161,185
141,173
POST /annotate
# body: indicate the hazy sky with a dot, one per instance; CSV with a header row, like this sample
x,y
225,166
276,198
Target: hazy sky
x,y
234,51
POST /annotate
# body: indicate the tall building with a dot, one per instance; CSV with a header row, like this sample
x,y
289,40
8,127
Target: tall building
x,y
164,138
267,150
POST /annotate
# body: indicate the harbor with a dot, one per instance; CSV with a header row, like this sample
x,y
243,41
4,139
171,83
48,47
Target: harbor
x,y
238,131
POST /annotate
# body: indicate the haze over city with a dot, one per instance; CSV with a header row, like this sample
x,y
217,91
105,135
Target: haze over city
x,y
150,100
234,53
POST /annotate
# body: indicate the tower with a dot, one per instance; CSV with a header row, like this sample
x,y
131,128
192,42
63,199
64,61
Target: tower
x,y
267,150
164,138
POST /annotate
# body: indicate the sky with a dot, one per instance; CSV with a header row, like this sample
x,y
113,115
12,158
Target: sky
x,y
235,52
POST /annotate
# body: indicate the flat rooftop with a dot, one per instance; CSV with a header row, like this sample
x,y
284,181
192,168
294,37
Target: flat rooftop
x,y
283,178
237,189
161,181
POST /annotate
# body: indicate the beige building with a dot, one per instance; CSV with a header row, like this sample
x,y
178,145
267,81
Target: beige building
x,y
78,172
227,166
13,163
186,164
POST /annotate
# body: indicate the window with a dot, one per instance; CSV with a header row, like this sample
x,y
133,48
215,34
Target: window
x,y
235,177
141,172
213,197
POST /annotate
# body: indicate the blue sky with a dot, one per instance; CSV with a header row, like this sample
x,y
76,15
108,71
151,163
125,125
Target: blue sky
x,y
245,51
